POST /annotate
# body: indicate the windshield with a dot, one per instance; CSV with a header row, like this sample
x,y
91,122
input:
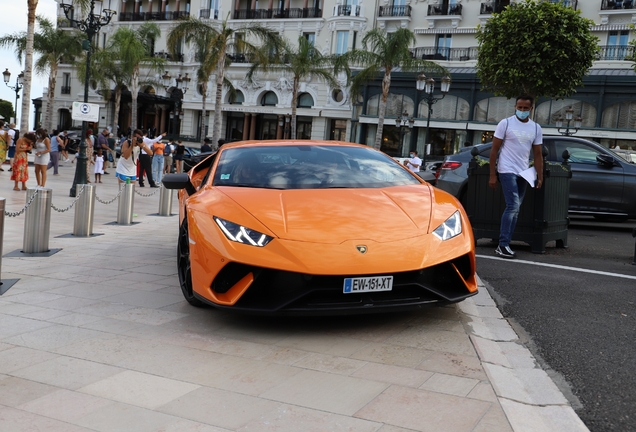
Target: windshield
x,y
309,167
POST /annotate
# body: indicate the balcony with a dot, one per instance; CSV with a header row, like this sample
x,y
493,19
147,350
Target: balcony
x,y
440,9
152,16
617,4
492,7
209,14
568,3
278,13
239,58
346,10
169,57
394,11
616,52
447,54
65,90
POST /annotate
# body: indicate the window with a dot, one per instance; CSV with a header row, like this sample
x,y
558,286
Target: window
x,y
269,99
617,45
311,37
338,130
355,37
579,152
342,41
66,84
305,101
337,95
442,45
237,98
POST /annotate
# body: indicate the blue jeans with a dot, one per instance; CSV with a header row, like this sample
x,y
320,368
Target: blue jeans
x,y
514,189
157,168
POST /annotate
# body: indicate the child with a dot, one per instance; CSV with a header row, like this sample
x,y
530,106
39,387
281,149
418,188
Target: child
x,y
99,165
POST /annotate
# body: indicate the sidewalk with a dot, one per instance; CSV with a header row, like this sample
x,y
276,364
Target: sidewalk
x,y
97,337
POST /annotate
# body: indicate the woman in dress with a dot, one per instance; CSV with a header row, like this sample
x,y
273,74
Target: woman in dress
x,y
90,145
178,155
42,156
20,168
5,139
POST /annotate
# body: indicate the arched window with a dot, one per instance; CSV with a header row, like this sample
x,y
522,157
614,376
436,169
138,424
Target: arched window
x,y
269,99
494,109
237,98
305,101
620,116
449,108
396,104
547,113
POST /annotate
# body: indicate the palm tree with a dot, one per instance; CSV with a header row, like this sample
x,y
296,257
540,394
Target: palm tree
x,y
134,48
212,46
54,46
300,62
382,53
28,64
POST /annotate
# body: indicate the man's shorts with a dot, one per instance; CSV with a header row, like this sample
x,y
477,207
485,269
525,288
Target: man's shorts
x,y
125,177
11,151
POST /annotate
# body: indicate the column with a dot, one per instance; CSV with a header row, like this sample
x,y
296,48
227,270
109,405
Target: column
x,y
137,6
237,5
246,126
163,120
176,9
253,7
157,119
253,127
163,5
279,127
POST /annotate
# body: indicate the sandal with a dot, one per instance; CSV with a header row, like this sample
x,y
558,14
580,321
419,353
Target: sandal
x,y
16,188
24,188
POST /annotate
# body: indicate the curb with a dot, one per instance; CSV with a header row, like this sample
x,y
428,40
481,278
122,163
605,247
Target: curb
x,y
530,399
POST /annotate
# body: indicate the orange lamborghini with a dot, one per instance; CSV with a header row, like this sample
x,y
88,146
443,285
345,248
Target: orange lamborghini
x,y
318,227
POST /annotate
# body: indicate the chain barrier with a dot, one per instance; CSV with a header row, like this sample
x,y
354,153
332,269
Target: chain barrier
x,y
26,206
111,201
72,204
147,195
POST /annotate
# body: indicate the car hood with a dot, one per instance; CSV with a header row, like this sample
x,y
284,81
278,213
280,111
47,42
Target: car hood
x,y
333,216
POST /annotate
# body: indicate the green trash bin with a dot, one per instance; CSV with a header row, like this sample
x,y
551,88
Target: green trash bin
x,y
543,215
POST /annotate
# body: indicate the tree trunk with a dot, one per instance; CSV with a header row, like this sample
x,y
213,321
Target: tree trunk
x,y
293,108
28,67
204,111
220,74
134,92
50,96
117,108
386,86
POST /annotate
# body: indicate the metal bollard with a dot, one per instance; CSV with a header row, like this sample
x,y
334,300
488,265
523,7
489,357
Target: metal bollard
x,y
126,203
165,201
84,211
37,221
3,201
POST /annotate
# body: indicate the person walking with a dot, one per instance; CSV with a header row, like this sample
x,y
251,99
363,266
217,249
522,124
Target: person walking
x,y
5,139
42,156
168,151
145,161
414,163
102,143
56,143
14,135
90,145
514,139
112,154
98,161
157,161
20,168
63,143
178,156
130,153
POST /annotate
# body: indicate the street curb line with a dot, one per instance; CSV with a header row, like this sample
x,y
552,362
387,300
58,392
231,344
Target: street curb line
x,y
530,399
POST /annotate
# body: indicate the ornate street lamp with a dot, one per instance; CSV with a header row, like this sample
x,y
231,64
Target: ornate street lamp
x,y
177,93
569,114
6,75
428,85
91,24
404,122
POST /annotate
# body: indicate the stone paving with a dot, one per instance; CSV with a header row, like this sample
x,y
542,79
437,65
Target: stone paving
x,y
97,337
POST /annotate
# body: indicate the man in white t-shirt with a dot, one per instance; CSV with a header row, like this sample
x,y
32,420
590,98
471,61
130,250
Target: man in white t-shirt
x,y
414,163
515,137
11,153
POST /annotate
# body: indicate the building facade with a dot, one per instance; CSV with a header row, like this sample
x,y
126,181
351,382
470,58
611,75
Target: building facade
x,y
445,33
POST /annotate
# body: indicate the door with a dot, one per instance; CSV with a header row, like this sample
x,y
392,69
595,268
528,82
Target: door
x,y
594,187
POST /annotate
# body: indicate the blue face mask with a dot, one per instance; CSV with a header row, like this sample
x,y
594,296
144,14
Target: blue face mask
x,y
522,114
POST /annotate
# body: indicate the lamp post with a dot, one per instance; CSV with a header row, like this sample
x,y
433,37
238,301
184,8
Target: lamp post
x,y
91,24
16,88
177,93
404,123
428,85
569,114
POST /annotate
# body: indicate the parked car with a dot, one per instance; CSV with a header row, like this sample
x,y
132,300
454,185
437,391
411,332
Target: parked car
x,y
425,174
603,183
275,227
628,155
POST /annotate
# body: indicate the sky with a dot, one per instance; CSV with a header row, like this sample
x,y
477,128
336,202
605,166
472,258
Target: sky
x,y
15,13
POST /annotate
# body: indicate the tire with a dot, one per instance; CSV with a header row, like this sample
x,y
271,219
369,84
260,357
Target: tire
x,y
184,268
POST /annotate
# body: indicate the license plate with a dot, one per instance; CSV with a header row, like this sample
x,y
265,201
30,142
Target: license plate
x,y
367,284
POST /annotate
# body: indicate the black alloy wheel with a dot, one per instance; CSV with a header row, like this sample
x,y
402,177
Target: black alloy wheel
x,y
183,265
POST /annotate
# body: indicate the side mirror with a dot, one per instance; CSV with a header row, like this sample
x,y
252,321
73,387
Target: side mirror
x,y
606,160
178,181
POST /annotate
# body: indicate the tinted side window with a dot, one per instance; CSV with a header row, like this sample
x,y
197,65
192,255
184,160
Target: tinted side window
x,y
579,152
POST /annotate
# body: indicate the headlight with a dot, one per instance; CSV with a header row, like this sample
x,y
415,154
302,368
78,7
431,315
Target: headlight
x,y
450,228
240,234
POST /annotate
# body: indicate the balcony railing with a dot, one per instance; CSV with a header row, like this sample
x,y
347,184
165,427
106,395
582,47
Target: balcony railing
x,y
616,52
491,7
440,9
346,10
240,58
65,90
278,13
617,4
209,14
169,57
152,16
394,11
450,54
569,3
